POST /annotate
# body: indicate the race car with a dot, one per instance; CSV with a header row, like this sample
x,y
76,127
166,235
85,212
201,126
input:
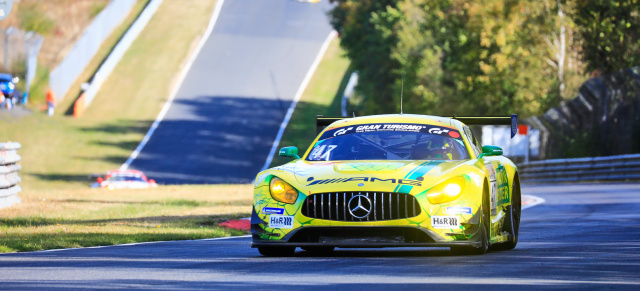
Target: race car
x,y
122,179
396,180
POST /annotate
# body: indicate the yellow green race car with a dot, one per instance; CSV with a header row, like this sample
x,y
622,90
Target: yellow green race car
x,y
396,180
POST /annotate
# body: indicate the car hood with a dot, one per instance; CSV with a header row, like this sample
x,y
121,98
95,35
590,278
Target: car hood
x,y
387,176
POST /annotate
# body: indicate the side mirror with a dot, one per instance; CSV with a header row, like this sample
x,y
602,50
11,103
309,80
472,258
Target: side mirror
x,y
490,150
99,180
289,152
15,80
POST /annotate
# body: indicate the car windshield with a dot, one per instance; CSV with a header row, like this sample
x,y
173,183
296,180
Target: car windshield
x,y
389,141
121,178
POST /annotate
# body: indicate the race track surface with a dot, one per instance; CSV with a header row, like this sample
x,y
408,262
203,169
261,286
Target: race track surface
x,y
583,237
229,108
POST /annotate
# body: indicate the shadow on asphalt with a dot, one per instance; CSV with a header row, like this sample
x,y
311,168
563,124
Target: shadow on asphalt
x,y
223,140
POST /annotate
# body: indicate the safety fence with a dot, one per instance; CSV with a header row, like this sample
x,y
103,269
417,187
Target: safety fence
x,y
9,178
19,51
622,167
114,57
74,63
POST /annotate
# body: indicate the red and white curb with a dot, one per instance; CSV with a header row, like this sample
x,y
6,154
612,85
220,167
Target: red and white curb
x,y
529,201
239,224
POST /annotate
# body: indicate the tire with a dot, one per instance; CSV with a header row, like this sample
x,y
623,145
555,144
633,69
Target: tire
x,y
484,232
512,220
276,251
319,249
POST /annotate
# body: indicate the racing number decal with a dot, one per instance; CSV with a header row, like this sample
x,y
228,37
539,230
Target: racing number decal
x,y
321,153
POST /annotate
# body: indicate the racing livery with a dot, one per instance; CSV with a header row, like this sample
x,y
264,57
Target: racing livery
x,y
390,181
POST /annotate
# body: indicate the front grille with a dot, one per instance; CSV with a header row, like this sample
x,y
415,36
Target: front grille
x,y
380,205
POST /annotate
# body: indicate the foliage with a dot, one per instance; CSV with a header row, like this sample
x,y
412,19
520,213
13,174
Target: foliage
x,y
481,57
361,24
34,19
611,33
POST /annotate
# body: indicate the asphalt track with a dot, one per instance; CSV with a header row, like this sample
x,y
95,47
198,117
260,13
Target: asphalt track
x,y
583,237
227,112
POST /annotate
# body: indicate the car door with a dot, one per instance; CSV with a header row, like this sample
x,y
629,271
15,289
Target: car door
x,y
498,178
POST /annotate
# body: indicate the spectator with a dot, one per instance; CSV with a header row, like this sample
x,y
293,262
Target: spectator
x,y
51,102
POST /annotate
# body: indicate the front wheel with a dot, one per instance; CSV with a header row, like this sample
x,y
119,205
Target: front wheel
x,y
276,251
484,232
512,220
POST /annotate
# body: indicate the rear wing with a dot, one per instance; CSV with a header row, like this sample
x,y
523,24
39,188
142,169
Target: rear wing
x,y
491,120
323,121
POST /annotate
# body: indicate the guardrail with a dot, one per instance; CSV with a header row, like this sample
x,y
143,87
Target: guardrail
x,y
9,178
76,60
623,167
116,54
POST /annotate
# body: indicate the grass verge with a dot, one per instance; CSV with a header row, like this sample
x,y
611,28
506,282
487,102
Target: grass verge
x,y
60,152
322,96
94,217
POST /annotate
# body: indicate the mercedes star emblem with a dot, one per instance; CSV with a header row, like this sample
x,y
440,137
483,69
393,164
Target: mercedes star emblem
x,y
359,207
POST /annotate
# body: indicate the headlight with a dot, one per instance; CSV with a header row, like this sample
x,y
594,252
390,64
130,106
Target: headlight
x,y
282,191
446,191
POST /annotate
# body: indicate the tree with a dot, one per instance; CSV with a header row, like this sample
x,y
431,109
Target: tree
x,y
359,23
610,32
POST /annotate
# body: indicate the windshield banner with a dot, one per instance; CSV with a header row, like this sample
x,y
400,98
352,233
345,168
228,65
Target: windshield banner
x,y
397,127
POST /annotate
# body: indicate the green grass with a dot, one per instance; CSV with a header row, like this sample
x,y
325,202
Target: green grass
x,y
92,217
101,55
321,97
60,152
58,210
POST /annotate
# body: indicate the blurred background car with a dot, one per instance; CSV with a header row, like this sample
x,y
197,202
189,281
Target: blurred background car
x,y
8,88
119,179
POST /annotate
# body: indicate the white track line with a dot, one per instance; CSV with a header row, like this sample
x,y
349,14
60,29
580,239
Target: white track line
x,y
296,98
183,74
131,244
536,201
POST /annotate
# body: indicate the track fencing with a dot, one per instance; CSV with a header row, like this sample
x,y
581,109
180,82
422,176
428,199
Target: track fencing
x,y
19,51
74,63
116,54
622,167
9,178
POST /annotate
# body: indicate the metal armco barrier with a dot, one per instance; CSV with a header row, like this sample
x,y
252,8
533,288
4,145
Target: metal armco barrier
x,y
9,178
623,167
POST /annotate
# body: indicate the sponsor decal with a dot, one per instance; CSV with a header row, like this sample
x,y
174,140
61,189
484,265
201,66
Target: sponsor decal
x,y
494,188
404,127
457,210
272,210
436,130
445,222
280,221
367,179
342,131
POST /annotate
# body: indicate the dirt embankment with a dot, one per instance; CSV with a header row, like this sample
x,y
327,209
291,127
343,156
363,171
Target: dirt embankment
x,y
61,22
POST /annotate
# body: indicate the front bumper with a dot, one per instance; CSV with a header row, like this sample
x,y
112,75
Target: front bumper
x,y
362,237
